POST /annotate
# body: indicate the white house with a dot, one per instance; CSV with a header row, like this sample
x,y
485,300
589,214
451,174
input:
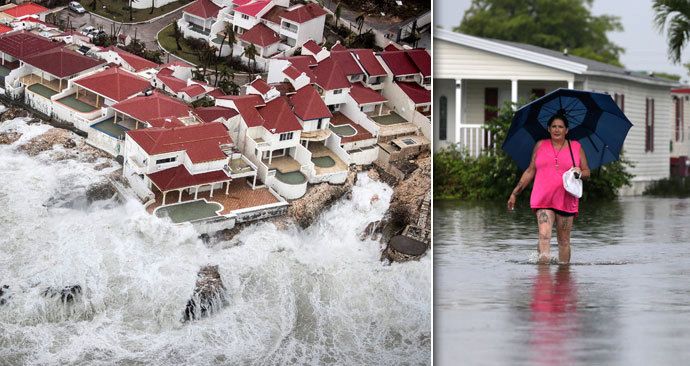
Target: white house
x,y
471,73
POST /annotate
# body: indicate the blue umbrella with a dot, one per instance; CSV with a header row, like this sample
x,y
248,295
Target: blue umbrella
x,y
594,120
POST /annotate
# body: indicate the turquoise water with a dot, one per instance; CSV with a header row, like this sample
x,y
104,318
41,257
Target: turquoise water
x,y
295,177
190,211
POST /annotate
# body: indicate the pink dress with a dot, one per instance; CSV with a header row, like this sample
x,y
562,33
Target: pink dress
x,y
548,191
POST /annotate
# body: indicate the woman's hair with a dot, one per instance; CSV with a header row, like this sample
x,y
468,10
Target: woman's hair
x,y
558,116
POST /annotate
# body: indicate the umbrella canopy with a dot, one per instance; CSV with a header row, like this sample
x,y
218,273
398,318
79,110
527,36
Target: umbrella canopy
x,y
594,120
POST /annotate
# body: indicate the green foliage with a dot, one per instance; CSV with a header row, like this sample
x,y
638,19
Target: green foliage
x,y
138,48
492,175
670,187
668,76
364,40
552,24
675,16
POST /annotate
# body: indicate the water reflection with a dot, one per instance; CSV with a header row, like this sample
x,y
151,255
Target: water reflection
x,y
553,319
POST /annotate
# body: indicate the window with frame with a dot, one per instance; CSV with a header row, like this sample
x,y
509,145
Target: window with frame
x,y
286,136
649,125
443,118
245,16
166,160
337,91
619,99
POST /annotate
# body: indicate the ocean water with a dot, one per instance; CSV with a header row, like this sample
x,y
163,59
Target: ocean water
x,y
314,296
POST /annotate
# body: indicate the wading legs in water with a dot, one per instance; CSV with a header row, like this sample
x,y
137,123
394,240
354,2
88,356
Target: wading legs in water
x,y
545,220
564,224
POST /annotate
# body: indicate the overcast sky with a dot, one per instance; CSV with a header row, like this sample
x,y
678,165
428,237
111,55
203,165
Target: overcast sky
x,y
645,47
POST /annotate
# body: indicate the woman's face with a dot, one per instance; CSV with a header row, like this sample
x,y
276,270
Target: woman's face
x,y
557,129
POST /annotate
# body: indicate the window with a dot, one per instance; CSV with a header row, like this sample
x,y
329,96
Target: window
x,y
166,160
286,136
490,112
443,118
620,101
680,123
338,91
649,126
245,16
538,93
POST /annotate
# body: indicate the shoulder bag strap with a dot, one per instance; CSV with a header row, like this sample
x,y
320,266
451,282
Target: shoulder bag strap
x,y
571,153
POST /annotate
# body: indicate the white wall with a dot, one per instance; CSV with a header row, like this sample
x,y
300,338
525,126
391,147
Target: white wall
x,y
351,111
330,98
364,157
312,29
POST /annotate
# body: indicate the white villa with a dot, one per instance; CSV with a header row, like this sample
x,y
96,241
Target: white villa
x,y
472,72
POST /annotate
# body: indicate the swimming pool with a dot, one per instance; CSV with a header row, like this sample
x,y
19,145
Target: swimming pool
x,y
295,177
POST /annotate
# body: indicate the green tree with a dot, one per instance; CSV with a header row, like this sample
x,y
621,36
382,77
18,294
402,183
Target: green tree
x,y
337,13
177,34
250,52
552,24
677,14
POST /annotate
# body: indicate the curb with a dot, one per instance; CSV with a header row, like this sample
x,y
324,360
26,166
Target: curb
x,y
170,53
142,22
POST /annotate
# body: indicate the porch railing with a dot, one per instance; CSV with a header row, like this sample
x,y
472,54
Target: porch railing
x,y
474,138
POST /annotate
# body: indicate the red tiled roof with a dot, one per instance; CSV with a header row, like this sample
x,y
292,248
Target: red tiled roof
x,y
5,29
23,44
178,177
304,13
408,62
338,47
417,93
176,63
203,9
176,85
274,14
210,114
246,105
391,47
307,104
216,93
25,9
311,46
363,95
114,83
371,64
136,62
201,142
681,90
194,90
329,76
260,35
362,134
346,62
292,72
260,85
153,108
240,2
252,8
62,62
422,60
278,117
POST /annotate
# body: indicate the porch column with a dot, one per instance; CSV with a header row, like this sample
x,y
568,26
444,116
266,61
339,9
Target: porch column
x,y
77,97
96,100
136,126
380,109
254,182
42,76
458,108
212,184
196,193
571,84
60,87
179,198
227,187
164,193
514,92
270,157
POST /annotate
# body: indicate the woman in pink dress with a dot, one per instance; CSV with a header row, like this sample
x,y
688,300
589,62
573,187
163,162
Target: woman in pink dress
x,y
550,201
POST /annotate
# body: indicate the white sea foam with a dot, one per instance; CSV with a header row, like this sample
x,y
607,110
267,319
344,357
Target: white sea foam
x,y
310,296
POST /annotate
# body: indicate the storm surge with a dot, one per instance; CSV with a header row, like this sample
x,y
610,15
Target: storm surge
x,y
294,296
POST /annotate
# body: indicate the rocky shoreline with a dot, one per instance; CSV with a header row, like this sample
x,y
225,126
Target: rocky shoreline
x,y
408,211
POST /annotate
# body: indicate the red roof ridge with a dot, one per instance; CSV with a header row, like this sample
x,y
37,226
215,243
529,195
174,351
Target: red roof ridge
x,y
304,13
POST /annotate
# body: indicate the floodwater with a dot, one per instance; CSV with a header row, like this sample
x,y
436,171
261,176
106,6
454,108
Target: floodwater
x,y
306,297
625,300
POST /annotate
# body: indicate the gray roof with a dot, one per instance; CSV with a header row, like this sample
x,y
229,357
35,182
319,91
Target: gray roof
x,y
592,66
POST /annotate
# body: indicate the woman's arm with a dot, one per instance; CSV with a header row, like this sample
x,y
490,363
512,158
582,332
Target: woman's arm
x,y
584,167
525,179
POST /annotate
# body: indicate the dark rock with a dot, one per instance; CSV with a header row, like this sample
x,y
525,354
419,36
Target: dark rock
x,y
209,294
100,191
67,294
371,231
318,197
404,248
69,144
5,294
9,137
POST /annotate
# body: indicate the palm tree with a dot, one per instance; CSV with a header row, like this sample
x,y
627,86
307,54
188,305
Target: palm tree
x,y
153,6
336,13
360,22
677,14
250,52
177,34
230,36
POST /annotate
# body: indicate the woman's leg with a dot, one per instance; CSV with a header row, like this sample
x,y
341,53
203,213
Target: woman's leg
x,y
564,225
545,220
